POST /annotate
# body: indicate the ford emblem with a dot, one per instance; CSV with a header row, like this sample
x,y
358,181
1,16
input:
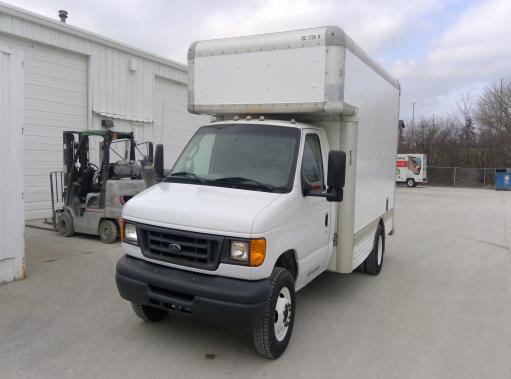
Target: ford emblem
x,y
174,247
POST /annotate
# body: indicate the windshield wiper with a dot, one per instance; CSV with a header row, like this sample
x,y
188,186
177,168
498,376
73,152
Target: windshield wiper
x,y
187,175
242,180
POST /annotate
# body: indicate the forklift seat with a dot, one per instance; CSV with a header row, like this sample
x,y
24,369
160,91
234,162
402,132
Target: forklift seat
x,y
92,200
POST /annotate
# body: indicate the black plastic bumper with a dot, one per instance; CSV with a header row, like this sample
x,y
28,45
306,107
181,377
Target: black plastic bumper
x,y
219,300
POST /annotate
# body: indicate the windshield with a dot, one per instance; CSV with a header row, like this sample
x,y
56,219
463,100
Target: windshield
x,y
249,156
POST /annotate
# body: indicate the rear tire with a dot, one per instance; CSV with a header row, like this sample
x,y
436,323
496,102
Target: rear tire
x,y
65,224
272,335
374,262
411,183
108,231
148,313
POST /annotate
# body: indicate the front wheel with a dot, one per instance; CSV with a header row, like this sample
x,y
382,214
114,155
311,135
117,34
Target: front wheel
x,y
272,335
411,183
65,224
108,231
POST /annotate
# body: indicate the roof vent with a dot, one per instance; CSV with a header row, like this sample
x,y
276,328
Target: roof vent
x,y
63,15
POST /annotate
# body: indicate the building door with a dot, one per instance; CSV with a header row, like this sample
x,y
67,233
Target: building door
x,y
56,100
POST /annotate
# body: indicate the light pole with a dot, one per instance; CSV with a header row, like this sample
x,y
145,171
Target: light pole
x,y
413,123
501,103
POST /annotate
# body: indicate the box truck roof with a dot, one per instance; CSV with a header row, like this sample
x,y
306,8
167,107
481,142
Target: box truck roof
x,y
303,71
323,36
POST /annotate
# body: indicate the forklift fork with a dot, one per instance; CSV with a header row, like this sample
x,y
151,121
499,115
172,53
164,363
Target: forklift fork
x,y
57,194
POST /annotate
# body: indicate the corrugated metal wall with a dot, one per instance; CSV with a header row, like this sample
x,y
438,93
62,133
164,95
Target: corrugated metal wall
x,y
173,125
118,81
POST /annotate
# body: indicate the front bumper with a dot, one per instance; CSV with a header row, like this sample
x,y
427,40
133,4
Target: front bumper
x,y
219,300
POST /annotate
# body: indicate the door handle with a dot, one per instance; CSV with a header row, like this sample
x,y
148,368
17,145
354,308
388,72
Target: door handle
x,y
326,220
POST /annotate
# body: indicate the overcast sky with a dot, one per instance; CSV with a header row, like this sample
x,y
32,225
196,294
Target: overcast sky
x,y
437,49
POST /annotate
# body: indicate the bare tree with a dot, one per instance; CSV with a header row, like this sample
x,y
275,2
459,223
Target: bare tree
x,y
476,134
493,109
467,134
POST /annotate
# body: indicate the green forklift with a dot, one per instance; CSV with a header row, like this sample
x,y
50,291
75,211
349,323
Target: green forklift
x,y
91,196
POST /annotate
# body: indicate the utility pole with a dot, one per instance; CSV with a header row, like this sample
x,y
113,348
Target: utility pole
x,y
413,123
423,137
501,103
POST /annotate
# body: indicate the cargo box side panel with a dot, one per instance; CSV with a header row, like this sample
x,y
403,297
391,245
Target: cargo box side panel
x,y
378,103
291,76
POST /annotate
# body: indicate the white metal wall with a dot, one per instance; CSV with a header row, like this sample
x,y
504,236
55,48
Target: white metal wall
x,y
12,246
172,118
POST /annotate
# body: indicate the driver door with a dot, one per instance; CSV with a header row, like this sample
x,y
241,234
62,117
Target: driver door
x,y
315,211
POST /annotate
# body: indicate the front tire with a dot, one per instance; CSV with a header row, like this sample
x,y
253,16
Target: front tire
x,y
65,224
411,183
374,262
272,335
148,313
108,231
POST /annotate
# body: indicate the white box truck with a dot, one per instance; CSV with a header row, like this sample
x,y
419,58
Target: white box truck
x,y
295,177
411,169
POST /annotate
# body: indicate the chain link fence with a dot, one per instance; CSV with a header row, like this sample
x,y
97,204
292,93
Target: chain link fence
x,y
461,177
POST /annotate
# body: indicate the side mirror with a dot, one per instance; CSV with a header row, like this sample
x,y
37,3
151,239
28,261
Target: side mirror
x,y
335,180
158,160
336,175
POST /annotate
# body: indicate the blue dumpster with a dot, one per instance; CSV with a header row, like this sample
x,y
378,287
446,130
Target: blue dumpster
x,y
503,179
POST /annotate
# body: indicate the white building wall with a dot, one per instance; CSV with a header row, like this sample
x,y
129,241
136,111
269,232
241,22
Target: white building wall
x,y
12,244
119,83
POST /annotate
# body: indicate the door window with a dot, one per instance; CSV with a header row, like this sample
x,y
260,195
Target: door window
x,y
312,163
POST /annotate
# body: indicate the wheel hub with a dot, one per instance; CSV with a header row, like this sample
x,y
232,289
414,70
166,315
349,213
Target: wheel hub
x,y
380,250
283,309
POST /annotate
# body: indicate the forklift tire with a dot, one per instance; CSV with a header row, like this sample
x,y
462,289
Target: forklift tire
x,y
65,224
374,261
148,313
108,231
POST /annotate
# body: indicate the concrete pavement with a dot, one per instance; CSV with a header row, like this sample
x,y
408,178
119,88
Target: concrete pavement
x,y
441,308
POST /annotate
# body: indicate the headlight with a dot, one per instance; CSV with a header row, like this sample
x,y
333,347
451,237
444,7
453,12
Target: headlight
x,y
130,233
239,251
251,252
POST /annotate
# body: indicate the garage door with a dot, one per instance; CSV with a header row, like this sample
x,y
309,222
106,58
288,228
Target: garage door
x,y
55,100
172,118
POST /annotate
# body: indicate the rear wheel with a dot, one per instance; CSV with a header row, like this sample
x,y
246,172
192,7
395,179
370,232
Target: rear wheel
x,y
148,313
272,336
65,224
374,262
411,183
108,231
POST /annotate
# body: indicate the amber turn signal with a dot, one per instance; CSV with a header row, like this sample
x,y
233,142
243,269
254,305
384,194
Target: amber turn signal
x,y
257,251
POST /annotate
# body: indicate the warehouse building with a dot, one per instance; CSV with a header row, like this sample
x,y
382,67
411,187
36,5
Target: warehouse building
x,y
56,77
